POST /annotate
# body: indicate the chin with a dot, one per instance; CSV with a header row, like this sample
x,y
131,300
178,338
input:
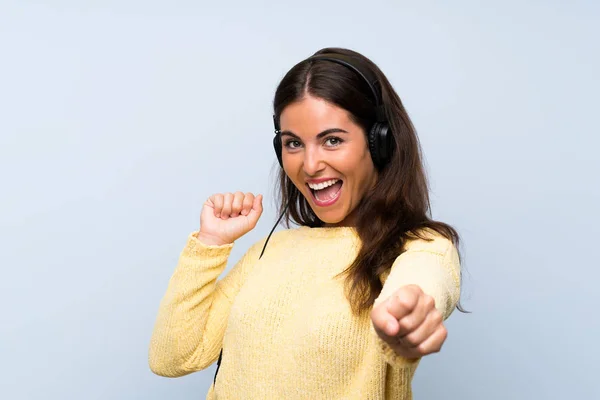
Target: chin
x,y
329,217
330,221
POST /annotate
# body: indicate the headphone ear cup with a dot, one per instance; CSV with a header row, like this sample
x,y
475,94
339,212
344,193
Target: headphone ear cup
x,y
379,144
277,147
373,146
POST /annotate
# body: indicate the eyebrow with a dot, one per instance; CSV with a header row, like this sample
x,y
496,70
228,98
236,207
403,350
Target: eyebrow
x,y
319,136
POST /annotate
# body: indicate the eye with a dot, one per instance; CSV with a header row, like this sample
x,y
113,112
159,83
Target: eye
x,y
292,144
333,141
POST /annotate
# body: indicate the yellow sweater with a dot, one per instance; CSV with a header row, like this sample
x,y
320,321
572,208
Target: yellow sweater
x,y
283,321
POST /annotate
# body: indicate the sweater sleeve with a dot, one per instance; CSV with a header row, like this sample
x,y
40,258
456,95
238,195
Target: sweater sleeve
x,y
192,316
433,266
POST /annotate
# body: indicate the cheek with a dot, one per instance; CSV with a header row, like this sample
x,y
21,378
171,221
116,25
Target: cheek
x,y
294,173
360,187
361,184
360,174
290,166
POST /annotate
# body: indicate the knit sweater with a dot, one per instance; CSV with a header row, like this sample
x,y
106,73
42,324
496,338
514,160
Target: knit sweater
x,y
284,322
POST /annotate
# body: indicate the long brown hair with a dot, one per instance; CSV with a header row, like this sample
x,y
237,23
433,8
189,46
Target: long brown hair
x,y
398,207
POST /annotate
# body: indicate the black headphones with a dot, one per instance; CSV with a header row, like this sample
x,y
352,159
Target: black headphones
x,y
379,136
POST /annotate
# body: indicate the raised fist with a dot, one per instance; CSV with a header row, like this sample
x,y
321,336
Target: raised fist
x,y
225,217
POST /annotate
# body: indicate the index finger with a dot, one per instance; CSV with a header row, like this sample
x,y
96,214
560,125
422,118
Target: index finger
x,y
383,321
247,203
401,303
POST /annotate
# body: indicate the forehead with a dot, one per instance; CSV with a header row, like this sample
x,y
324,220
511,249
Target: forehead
x,y
312,115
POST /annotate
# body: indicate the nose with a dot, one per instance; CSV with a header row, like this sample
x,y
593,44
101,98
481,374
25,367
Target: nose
x,y
313,161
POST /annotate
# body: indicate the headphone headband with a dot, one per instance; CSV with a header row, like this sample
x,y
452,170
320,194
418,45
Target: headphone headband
x,y
365,73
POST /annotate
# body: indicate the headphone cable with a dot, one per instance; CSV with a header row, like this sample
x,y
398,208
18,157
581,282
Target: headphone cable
x,y
274,226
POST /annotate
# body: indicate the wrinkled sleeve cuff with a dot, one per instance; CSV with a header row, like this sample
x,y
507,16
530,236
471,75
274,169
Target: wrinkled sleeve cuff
x,y
195,248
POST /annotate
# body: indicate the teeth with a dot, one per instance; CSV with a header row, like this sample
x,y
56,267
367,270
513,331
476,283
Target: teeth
x,y
322,185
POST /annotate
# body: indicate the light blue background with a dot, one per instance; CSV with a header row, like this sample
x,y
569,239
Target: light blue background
x,y
118,118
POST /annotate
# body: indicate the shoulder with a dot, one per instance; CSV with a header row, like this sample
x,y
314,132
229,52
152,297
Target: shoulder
x,y
429,252
434,243
282,236
430,241
277,239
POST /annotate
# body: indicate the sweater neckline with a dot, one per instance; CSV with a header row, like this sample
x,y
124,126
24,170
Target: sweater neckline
x,y
329,232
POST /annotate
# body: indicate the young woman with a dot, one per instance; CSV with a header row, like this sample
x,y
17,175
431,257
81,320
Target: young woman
x,y
344,305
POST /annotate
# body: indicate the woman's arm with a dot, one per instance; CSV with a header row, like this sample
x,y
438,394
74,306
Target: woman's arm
x,y
423,285
193,313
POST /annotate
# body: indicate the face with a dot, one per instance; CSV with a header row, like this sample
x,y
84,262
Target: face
x,y
326,156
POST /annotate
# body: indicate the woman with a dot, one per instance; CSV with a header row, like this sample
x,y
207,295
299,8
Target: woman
x,y
345,305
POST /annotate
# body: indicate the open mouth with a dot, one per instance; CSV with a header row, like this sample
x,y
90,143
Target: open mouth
x,y
326,193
